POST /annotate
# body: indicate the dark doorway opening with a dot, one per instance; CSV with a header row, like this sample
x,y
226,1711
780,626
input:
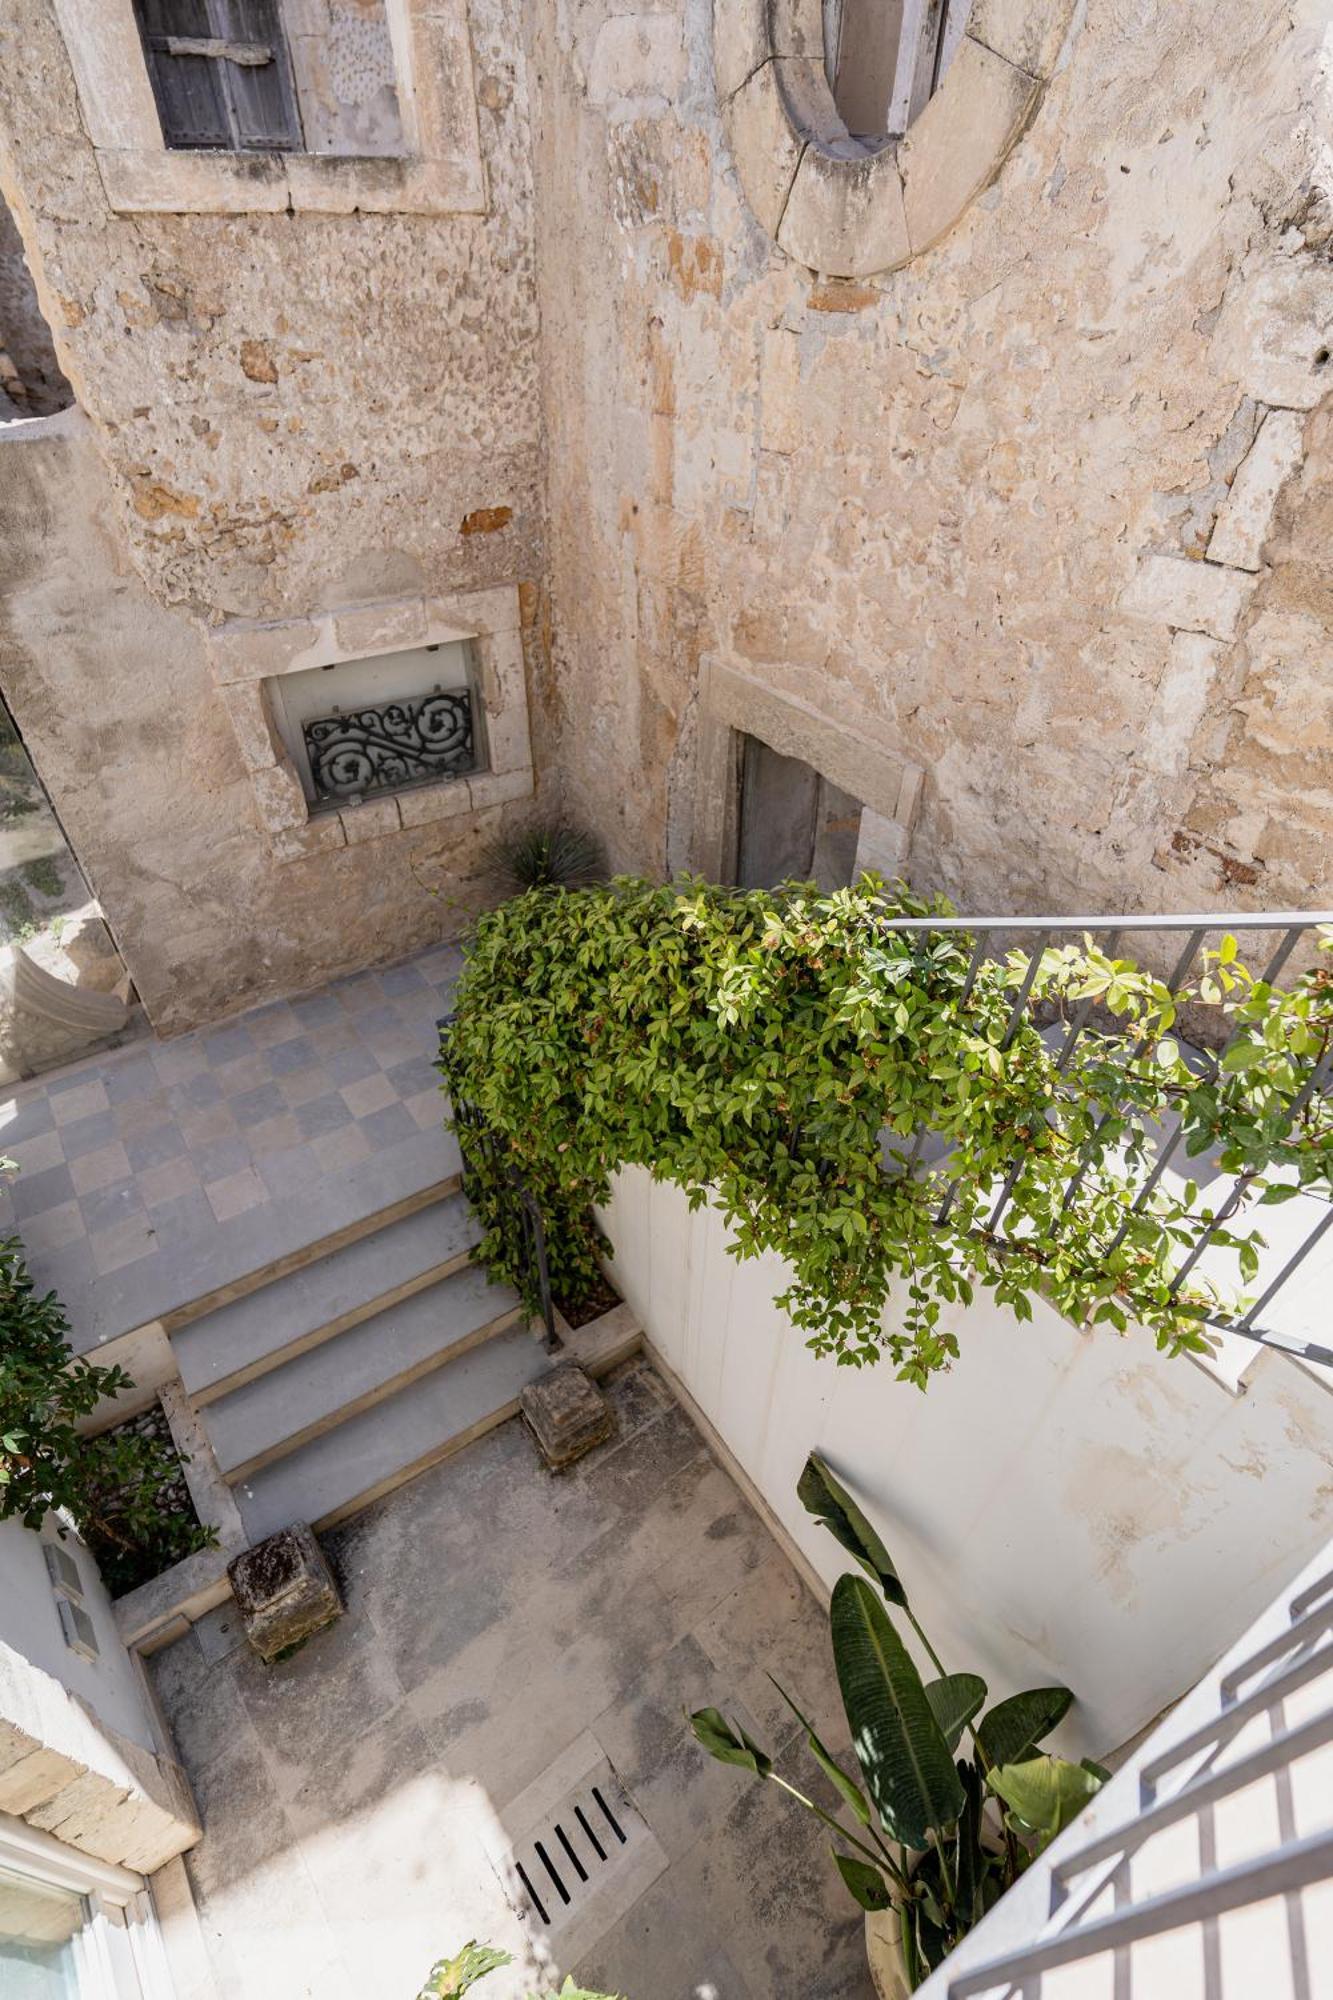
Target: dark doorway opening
x,y
795,824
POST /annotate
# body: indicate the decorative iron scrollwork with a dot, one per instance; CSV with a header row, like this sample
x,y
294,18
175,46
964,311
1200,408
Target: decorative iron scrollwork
x,y
382,749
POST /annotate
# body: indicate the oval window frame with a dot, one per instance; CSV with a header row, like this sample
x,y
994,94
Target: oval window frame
x,y
830,204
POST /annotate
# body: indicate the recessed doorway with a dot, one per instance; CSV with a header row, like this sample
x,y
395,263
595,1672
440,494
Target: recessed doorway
x,y
795,825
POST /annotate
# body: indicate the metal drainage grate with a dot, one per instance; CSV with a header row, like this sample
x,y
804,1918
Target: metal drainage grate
x,y
584,1860
568,1858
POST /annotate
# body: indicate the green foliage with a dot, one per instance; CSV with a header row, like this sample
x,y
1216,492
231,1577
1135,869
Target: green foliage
x,y
756,1046
546,857
44,876
927,1849
112,1486
452,1977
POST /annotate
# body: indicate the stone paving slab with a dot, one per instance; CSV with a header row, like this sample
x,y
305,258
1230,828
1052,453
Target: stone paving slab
x,y
495,1618
151,1175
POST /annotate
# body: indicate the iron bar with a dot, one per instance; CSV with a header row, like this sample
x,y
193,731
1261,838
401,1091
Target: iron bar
x,y
1309,1666
1314,1594
1296,1865
1293,921
1315,1081
1285,1748
1292,1264
1308,1627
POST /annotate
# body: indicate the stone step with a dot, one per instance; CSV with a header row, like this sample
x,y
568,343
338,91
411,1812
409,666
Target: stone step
x,y
369,1455
299,1309
324,1387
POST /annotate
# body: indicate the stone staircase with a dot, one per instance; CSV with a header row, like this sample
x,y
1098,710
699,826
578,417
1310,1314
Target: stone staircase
x,y
326,1382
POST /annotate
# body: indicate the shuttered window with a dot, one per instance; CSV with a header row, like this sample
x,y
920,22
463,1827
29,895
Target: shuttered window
x,y
221,74
886,58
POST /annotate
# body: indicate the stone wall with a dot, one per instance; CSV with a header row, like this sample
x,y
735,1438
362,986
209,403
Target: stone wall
x,y
1044,512
284,414
1041,515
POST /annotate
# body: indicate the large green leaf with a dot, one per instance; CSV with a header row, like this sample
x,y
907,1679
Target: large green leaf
x,y
954,1700
907,1765
866,1883
851,1794
1013,1728
1043,1795
828,1501
449,1978
728,1745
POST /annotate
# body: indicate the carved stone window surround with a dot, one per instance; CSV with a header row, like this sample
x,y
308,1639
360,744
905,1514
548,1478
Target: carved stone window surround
x,y
441,173
734,702
829,203
245,653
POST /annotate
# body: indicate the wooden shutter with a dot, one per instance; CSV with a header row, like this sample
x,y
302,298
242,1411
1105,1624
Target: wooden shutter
x,y
209,98
262,99
188,89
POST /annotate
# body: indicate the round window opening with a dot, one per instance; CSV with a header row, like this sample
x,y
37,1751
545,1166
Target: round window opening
x,y
862,130
885,59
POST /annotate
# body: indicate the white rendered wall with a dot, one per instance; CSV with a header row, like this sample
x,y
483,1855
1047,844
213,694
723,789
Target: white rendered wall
x,y
30,1624
1064,1506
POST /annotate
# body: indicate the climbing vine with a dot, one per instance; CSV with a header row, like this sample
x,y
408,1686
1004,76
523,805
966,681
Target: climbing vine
x,y
778,1051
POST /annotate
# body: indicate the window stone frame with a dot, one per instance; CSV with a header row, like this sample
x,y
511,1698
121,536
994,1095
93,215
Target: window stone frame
x,y
733,703
245,653
831,205
441,172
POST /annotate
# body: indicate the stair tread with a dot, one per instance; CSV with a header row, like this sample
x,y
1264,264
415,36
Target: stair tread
x,y
313,1387
328,1478
251,1330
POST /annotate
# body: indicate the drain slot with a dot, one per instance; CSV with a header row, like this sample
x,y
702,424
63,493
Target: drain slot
x,y
579,1868
581,1816
586,1854
608,1815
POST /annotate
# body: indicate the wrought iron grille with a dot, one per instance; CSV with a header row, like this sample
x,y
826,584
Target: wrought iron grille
x,y
400,743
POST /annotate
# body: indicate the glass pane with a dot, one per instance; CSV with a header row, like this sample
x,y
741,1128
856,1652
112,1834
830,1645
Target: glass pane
x,y
39,1926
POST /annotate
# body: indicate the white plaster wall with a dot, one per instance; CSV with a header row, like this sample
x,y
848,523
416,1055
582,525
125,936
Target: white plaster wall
x,y
30,1624
1064,1506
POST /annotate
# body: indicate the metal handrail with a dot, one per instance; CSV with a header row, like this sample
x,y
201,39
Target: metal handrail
x,y
988,938
530,1245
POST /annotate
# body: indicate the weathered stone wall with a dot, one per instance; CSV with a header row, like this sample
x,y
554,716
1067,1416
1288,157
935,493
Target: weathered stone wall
x,y
286,413
966,508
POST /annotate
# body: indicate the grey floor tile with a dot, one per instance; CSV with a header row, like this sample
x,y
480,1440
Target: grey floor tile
x,y
387,1127
107,1206
86,1135
322,1114
155,1147
292,1055
31,1193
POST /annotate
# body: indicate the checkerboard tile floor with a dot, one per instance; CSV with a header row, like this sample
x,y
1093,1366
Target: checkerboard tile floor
x,y
153,1173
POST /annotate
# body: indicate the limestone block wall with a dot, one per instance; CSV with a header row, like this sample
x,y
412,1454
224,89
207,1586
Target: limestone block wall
x,y
1044,511
285,416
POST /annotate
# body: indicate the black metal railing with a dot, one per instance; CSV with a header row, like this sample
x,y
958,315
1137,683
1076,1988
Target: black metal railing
x,y
484,1159
1178,942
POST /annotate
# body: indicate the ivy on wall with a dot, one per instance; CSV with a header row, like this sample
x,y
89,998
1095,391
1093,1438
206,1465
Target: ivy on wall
x,y
777,1051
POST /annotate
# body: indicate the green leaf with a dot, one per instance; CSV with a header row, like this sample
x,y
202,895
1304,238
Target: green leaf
x,y
851,1794
866,1883
907,1765
1244,1055
1043,1795
954,1701
728,1745
828,1501
453,1976
1016,1726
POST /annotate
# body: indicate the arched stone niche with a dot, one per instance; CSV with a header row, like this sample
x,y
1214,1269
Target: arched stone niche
x,y
831,204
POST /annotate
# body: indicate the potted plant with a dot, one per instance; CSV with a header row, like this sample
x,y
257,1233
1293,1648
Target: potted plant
x,y
935,1838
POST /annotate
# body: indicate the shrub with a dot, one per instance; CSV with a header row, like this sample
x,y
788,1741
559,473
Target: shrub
x,y
758,1045
118,1488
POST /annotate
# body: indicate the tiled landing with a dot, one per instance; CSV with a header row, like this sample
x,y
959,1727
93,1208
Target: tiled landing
x,y
153,1174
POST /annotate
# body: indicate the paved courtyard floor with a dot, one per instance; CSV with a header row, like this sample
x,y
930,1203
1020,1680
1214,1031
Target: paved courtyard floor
x,y
152,1174
501,1622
